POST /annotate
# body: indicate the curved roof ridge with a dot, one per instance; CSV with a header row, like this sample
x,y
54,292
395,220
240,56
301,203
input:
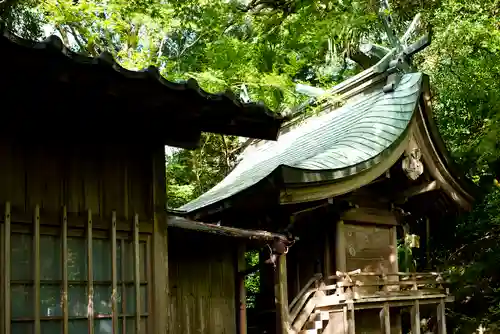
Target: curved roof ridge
x,y
338,140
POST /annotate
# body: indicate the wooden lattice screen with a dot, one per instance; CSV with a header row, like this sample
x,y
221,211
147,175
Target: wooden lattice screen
x,y
64,276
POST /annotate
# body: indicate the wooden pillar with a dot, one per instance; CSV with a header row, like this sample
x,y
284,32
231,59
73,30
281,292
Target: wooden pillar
x,y
351,321
160,244
415,318
6,292
90,277
428,242
137,276
327,265
281,296
64,257
2,270
242,296
441,317
36,268
385,320
114,273
340,256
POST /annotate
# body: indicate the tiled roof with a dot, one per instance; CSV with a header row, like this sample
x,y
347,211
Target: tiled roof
x,y
48,65
337,144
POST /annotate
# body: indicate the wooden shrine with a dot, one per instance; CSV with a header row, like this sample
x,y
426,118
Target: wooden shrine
x,y
353,183
83,238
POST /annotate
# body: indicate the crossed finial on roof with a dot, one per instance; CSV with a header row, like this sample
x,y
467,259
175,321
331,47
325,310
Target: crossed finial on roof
x,y
401,46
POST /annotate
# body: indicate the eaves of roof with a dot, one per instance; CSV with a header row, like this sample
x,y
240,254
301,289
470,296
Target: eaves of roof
x,y
49,69
334,145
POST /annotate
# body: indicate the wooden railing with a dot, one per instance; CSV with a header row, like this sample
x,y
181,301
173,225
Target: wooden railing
x,y
360,285
302,305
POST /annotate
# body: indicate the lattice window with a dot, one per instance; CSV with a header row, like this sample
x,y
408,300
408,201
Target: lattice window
x,y
35,290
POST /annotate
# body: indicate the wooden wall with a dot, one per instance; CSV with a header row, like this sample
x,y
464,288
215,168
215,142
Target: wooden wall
x,y
81,176
202,278
88,174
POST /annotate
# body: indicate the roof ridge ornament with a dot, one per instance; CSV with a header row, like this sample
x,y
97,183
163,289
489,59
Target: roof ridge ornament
x,y
403,53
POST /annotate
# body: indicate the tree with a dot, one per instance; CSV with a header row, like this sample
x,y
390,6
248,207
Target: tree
x,y
268,46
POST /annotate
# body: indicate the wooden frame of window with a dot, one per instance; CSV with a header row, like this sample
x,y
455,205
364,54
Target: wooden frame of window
x,y
128,282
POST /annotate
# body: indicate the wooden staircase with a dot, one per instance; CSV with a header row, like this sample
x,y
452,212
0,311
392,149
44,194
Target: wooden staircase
x,y
316,323
316,304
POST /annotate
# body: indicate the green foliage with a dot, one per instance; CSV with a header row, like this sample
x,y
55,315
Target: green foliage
x,y
252,281
269,46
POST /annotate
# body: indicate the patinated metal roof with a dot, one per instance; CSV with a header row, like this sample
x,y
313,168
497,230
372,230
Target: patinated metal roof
x,y
334,145
47,75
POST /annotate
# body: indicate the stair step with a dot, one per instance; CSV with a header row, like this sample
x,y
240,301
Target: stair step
x,y
317,322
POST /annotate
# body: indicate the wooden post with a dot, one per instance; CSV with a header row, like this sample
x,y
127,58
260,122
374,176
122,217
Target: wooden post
x,y
351,320
281,296
241,265
160,243
385,320
123,286
415,318
137,276
36,269
90,277
64,254
428,242
2,270
441,317
346,319
7,318
327,265
340,256
114,274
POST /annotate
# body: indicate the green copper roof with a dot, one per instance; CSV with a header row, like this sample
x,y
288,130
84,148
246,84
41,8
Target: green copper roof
x,y
330,146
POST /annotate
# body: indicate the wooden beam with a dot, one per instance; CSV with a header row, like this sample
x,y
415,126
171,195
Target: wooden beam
x,y
351,319
385,319
327,259
36,269
114,274
346,319
415,318
370,215
137,275
340,254
441,317
179,222
2,278
7,269
64,253
160,296
123,286
417,190
90,277
241,265
281,296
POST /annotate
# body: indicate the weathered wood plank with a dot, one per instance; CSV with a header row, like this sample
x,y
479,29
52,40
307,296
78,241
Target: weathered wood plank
x,y
242,307
160,243
340,247
7,268
370,215
36,269
351,319
441,317
137,275
281,295
415,318
90,271
385,320
2,278
64,237
180,222
114,274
